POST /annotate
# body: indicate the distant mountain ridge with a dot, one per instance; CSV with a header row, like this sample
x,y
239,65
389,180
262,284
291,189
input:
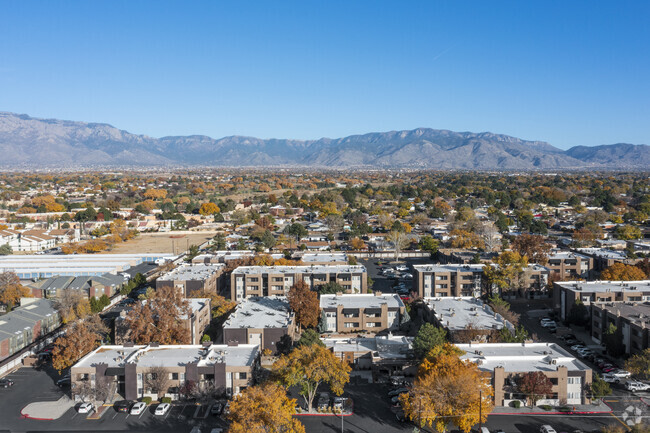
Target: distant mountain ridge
x,y
31,142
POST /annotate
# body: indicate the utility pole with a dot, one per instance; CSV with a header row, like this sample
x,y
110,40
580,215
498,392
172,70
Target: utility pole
x,y
480,409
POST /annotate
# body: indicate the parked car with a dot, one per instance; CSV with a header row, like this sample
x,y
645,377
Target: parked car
x,y
621,373
338,402
397,391
216,430
568,336
402,268
546,429
138,408
546,322
635,385
195,429
577,347
162,409
226,408
122,406
216,409
610,378
571,341
6,383
85,408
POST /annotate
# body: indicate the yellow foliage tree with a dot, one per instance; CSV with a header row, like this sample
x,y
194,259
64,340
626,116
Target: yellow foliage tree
x,y
623,272
465,239
309,366
11,290
264,409
448,390
209,209
155,194
357,244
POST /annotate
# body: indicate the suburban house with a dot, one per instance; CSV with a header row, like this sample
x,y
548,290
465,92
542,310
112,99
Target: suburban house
x,y
230,369
263,321
23,325
373,313
567,293
506,362
192,278
247,281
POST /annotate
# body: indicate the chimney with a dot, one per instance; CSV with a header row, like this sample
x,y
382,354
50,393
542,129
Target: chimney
x,y
378,293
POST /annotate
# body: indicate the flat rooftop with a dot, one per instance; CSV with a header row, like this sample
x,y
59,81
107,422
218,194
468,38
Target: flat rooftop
x,y
387,347
322,258
520,357
638,313
605,286
565,255
449,268
196,271
313,269
360,301
170,355
258,313
456,314
604,253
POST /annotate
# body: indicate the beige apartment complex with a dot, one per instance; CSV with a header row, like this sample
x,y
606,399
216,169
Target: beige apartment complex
x,y
362,313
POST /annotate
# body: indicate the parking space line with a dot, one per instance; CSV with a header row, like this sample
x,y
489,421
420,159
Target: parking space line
x,y
143,412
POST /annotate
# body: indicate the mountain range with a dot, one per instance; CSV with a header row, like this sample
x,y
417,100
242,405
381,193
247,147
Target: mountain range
x,y
27,142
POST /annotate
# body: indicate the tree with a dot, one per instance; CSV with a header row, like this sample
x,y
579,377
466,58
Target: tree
x,y
622,272
399,239
72,305
157,380
502,307
209,209
644,266
79,339
296,230
11,290
220,305
535,386
304,302
583,237
448,390
465,239
505,335
628,232
357,244
219,242
598,388
506,269
310,366
310,337
613,340
268,240
6,250
335,223
264,408
533,247
490,235
428,337
429,244
331,287
639,364
160,318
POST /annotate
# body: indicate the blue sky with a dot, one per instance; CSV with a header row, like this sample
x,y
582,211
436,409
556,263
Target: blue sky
x,y
568,72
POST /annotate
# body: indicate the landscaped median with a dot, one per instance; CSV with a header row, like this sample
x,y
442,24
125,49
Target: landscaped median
x,y
578,409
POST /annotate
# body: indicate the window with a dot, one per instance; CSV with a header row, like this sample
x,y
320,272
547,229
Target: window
x,y
140,376
575,380
174,376
554,380
242,375
351,324
140,390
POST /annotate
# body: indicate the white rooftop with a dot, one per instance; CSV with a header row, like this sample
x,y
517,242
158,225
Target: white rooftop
x,y
323,258
258,313
606,254
520,357
449,268
360,301
313,269
197,271
387,347
171,355
605,286
457,313
563,255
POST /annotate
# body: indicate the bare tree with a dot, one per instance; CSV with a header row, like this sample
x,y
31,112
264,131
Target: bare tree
x,y
399,240
157,380
105,388
490,235
84,390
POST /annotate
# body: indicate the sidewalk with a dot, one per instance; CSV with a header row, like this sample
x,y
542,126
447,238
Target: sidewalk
x,y
600,407
47,410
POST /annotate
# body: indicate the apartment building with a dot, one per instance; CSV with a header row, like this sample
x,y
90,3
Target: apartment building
x,y
373,313
464,257
465,318
196,323
567,265
603,258
262,321
94,286
506,362
447,280
631,318
23,325
247,281
567,293
227,368
191,278
383,353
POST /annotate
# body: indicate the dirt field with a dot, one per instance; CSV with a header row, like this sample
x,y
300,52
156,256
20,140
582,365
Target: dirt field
x,y
169,242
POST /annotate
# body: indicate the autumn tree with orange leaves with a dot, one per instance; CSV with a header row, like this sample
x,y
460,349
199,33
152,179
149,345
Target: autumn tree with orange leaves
x,y
448,390
623,272
265,408
304,302
79,339
160,319
11,290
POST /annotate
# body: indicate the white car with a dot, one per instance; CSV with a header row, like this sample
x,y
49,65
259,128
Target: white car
x,y
577,347
138,408
402,268
548,323
85,408
162,408
621,373
610,378
546,429
635,385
